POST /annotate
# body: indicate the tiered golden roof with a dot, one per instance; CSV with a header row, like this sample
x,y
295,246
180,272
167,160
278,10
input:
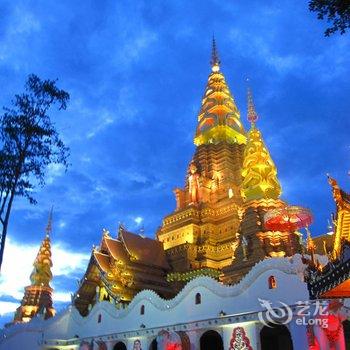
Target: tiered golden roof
x,y
218,118
121,267
41,274
259,171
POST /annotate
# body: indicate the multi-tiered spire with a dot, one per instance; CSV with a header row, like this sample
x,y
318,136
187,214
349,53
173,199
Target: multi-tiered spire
x,y
38,296
259,171
218,118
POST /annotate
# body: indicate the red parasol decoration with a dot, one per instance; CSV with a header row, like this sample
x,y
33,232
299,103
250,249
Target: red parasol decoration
x,y
289,218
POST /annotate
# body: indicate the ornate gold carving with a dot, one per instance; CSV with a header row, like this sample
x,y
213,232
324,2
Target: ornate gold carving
x,y
259,171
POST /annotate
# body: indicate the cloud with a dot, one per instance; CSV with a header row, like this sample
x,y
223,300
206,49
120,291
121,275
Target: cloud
x,y
23,23
17,267
138,220
54,170
7,307
137,45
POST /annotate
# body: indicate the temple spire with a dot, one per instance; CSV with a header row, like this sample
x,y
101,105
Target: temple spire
x,y
215,61
252,115
259,171
49,223
38,295
41,274
219,118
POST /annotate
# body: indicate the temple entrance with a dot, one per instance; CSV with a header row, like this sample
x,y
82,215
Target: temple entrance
x,y
119,346
346,328
101,345
211,340
276,338
153,345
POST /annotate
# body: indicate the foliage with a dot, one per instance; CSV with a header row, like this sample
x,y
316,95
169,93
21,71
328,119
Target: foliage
x,y
337,12
29,142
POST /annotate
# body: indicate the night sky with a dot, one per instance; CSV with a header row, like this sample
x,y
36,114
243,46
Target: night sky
x,y
136,72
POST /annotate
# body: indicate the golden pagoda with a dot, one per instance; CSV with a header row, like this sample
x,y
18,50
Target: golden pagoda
x,y
259,171
37,297
231,183
217,226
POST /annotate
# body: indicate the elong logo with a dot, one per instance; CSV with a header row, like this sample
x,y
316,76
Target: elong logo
x,y
283,314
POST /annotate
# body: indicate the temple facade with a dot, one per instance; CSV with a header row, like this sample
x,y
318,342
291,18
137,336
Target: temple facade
x,y
215,275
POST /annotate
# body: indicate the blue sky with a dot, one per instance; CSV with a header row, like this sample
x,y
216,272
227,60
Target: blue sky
x,y
136,72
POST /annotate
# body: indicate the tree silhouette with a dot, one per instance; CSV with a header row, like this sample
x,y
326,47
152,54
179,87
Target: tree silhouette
x,y
29,143
336,12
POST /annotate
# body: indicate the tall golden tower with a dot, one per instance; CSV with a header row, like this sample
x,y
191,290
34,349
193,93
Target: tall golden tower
x,y
202,230
217,226
38,296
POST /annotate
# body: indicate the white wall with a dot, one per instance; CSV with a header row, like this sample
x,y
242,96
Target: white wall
x,y
237,299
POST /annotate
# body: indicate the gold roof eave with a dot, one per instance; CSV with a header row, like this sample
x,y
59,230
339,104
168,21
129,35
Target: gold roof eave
x,y
220,133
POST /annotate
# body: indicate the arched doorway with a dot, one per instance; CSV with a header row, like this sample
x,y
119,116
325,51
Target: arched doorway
x,y
119,346
153,345
276,337
185,340
346,328
211,340
102,345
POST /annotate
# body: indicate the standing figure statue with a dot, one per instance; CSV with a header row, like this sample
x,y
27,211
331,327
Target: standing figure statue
x,y
193,182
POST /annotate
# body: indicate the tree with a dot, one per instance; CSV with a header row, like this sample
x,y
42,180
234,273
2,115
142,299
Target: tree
x,y
29,143
336,11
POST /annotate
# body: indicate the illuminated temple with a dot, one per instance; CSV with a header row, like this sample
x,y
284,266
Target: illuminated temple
x,y
216,228
230,249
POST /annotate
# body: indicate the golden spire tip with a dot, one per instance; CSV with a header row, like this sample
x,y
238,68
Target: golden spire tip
x,y
252,115
215,61
49,223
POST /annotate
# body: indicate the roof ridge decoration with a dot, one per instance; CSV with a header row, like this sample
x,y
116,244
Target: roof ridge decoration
x,y
218,118
151,251
259,171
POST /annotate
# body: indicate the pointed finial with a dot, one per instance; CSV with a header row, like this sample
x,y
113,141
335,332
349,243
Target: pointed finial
x,y
215,61
49,223
252,115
